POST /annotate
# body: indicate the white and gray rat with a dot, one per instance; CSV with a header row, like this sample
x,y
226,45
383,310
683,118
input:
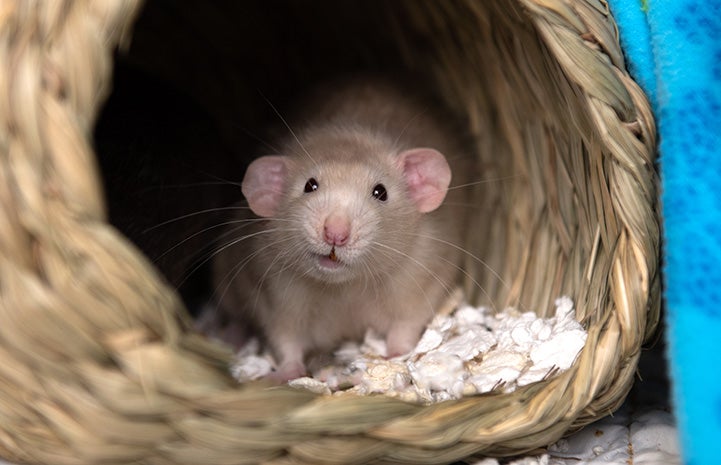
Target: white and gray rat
x,y
359,227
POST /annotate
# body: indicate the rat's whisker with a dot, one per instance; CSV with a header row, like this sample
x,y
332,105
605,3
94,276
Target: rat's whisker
x,y
209,228
285,123
222,248
197,213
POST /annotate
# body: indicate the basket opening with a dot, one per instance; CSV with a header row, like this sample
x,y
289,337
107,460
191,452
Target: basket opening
x,y
194,90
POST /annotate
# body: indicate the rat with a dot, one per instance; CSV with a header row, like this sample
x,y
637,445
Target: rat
x,y
355,225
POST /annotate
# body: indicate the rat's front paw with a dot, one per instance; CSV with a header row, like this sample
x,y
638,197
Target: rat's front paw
x,y
287,371
401,341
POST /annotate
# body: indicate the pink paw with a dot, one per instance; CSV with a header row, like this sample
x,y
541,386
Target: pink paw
x,y
400,340
398,348
286,372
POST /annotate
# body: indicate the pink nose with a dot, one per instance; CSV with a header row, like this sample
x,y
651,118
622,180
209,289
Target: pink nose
x,y
336,230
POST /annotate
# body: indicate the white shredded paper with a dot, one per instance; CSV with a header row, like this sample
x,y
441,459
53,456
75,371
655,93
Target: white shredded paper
x,y
468,352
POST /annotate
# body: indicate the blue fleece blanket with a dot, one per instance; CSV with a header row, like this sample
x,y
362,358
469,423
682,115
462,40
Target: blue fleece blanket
x,y
673,49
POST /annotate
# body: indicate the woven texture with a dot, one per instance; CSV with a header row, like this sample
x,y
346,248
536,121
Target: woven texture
x,y
97,362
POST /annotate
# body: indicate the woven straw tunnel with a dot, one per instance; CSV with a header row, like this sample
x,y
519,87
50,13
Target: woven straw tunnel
x,y
97,362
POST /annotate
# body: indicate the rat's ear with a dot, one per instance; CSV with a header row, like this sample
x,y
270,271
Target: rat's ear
x,y
263,184
427,176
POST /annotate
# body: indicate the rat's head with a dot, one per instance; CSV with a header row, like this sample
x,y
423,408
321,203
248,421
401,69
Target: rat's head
x,y
342,215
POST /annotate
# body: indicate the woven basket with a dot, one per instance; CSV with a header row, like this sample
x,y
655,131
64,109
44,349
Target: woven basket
x,y
97,364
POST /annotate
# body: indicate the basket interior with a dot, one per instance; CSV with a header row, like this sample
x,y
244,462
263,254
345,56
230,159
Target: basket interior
x,y
200,83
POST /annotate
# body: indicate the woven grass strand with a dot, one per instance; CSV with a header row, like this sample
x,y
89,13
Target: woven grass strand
x,y
97,363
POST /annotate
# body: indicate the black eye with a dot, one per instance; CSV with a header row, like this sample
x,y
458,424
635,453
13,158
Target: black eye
x,y
311,185
380,192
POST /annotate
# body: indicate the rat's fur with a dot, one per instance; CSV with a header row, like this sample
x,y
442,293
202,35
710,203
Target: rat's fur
x,y
396,266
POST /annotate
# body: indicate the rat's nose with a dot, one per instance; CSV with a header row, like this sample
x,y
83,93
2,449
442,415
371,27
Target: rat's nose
x,y
336,229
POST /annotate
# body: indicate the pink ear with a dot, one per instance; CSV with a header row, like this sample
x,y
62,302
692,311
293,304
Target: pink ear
x,y
427,176
263,184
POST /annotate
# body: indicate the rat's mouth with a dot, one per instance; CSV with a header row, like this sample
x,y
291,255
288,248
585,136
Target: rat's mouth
x,y
330,261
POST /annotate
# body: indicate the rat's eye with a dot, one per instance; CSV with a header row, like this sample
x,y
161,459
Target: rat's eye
x,y
311,185
380,192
